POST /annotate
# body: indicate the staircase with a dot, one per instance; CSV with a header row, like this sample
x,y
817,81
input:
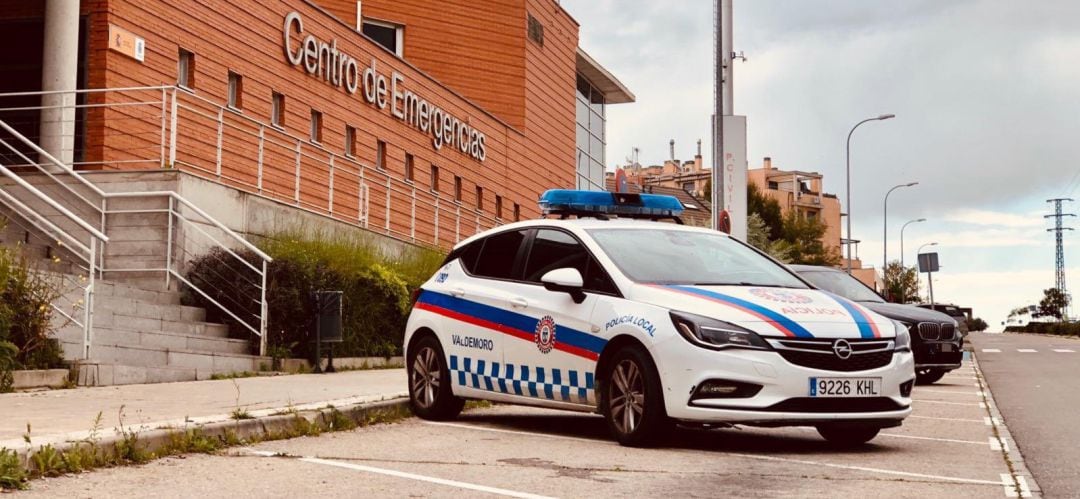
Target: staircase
x,y
121,245
147,336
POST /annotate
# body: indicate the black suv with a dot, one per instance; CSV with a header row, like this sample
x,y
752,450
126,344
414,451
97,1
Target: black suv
x,y
935,337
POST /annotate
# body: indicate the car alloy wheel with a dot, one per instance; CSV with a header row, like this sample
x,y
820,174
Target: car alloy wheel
x,y
425,377
627,396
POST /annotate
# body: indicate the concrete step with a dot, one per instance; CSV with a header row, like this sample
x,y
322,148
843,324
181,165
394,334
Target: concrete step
x,y
135,355
129,336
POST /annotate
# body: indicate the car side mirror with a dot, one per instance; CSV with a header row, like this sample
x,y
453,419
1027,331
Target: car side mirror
x,y
565,280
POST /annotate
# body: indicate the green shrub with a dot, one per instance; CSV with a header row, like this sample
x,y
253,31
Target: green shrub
x,y
12,473
1057,328
375,288
26,295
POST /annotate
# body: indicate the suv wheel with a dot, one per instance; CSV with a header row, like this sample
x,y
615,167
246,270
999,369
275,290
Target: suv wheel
x,y
847,435
429,382
631,400
928,376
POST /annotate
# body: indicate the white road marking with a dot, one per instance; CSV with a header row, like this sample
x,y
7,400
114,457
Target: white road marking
x,y
945,419
863,468
1027,350
748,456
514,432
996,444
1010,486
1025,489
991,350
989,421
950,440
921,401
952,392
1064,350
413,476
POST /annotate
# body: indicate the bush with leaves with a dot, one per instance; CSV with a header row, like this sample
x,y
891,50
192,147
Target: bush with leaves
x,y
976,324
26,295
375,299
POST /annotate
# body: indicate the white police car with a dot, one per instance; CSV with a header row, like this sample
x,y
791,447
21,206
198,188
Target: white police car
x,y
648,323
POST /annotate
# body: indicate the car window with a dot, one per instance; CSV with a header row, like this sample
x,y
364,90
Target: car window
x,y
496,259
468,255
842,284
672,256
554,249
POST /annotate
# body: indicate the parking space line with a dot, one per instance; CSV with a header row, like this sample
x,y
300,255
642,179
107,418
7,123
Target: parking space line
x,y
1064,350
952,392
515,432
1027,350
960,420
866,469
998,444
1011,485
991,350
989,421
922,401
950,440
413,476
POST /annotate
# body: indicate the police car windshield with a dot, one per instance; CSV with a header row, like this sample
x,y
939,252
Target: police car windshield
x,y
663,256
842,284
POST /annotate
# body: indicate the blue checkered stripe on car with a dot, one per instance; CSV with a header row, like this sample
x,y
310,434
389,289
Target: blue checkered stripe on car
x,y
564,385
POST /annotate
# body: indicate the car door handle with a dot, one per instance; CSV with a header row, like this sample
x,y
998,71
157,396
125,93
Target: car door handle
x,y
457,292
519,303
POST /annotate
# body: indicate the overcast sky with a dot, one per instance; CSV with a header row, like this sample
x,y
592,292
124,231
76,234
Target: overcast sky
x,y
986,93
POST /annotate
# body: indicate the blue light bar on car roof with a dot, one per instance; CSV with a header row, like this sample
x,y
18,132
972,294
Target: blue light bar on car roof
x,y
586,203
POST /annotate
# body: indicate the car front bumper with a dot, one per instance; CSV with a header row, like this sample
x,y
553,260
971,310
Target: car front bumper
x,y
947,355
783,399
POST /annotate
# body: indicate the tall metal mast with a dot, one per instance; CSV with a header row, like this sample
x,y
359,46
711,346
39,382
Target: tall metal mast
x,y
1058,230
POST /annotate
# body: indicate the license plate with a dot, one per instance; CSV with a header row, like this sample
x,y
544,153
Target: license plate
x,y
946,347
845,387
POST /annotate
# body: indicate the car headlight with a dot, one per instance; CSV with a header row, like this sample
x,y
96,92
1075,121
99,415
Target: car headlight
x,y
903,337
715,334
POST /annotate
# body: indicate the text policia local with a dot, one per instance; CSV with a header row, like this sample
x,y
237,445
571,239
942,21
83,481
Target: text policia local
x,y
337,68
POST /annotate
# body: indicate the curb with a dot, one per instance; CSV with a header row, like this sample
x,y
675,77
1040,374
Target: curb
x,y
265,427
1010,448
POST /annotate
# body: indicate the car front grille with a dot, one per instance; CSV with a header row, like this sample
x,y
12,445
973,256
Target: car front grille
x,y
936,331
820,354
853,404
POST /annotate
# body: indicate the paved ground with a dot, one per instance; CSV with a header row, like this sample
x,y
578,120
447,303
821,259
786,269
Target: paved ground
x,y
71,413
947,449
1036,381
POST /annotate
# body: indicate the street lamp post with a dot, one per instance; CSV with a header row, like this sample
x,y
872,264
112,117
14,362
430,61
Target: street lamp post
x,y
909,222
848,195
885,218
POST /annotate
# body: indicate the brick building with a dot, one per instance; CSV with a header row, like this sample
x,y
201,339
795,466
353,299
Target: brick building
x,y
802,192
139,136
403,117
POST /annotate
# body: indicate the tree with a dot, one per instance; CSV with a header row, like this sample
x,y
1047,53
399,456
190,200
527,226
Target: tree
x,y
767,208
1053,303
977,324
803,237
757,234
901,283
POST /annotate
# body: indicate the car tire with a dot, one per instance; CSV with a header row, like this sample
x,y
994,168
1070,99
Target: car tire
x,y
631,399
430,395
928,376
846,435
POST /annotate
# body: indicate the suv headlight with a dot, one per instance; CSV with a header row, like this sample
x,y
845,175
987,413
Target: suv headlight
x,y
715,334
903,337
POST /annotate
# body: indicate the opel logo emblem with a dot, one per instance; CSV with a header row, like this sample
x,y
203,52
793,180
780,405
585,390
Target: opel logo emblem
x,y
842,349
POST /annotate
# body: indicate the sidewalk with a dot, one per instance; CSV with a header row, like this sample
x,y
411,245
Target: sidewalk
x,y
60,416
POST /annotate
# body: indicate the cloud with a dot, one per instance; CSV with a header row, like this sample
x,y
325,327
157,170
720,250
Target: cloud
x,y
995,218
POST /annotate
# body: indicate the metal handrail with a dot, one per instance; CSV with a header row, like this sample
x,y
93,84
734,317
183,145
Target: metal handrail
x,y
174,199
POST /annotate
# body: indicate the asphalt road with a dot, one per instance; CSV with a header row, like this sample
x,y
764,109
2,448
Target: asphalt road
x,y
1036,382
947,449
